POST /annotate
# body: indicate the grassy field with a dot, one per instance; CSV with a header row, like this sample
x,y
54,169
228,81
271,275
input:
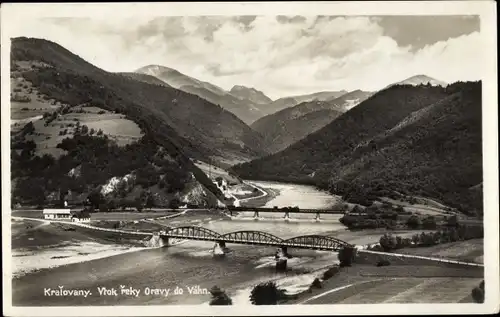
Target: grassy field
x,y
469,251
368,284
115,126
27,104
407,290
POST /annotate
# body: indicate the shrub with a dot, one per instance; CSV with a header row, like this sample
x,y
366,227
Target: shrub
x,y
388,242
478,294
219,297
413,222
316,283
330,272
267,294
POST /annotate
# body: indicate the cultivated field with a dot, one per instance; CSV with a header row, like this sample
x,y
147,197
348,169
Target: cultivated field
x,y
368,284
408,290
468,251
115,126
27,104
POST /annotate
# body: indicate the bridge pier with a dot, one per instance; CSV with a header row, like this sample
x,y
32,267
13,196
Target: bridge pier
x,y
281,258
219,249
164,241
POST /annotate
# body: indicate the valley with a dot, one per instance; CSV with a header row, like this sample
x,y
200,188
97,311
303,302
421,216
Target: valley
x,y
155,149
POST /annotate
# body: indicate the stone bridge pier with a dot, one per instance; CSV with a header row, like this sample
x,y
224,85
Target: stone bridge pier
x,y
219,249
164,241
281,256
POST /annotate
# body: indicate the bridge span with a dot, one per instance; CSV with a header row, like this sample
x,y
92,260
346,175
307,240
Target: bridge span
x,y
285,210
312,242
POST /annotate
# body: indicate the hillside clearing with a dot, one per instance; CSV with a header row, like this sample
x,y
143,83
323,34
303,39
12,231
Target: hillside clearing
x,y
115,126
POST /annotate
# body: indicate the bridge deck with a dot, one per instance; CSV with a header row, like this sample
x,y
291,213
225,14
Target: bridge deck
x,y
304,211
263,243
313,242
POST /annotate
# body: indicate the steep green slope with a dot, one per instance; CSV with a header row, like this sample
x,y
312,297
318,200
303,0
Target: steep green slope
x,y
280,131
160,158
208,129
289,125
419,140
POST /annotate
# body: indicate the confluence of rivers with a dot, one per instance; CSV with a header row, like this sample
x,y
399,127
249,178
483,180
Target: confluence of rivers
x,y
192,263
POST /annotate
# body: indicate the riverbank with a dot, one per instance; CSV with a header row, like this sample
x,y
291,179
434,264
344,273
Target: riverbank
x,y
193,262
39,244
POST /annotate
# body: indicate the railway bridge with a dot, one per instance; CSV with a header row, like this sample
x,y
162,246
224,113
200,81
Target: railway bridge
x,y
286,211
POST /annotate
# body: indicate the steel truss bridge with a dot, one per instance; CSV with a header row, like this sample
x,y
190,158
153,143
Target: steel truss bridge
x,y
313,242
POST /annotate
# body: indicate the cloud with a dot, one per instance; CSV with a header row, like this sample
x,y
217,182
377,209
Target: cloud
x,y
280,55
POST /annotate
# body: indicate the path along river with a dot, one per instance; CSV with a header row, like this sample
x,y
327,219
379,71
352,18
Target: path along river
x,y
192,263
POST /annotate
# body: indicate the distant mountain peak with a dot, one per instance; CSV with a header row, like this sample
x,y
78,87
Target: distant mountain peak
x,y
250,93
421,79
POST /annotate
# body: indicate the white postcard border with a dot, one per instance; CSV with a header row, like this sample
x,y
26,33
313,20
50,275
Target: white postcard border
x,y
15,13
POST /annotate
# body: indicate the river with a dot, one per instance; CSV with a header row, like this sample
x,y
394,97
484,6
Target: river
x,y
192,263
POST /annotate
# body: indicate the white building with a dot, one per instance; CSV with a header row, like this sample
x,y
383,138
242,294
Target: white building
x,y
57,213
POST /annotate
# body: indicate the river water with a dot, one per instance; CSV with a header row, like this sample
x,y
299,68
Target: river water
x,y
192,263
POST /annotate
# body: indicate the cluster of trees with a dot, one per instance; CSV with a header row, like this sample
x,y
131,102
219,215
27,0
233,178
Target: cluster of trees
x,y
372,217
387,216
389,242
290,209
146,200
99,160
266,293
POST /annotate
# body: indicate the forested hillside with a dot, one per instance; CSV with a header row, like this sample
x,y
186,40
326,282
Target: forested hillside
x,y
414,140
209,129
176,126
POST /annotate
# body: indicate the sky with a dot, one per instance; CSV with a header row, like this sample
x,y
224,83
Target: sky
x,y
279,55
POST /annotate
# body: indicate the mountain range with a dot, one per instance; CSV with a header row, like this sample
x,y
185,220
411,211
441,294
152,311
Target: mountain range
x,y
248,104
419,136
245,104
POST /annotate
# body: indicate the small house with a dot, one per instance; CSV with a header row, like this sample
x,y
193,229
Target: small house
x,y
57,214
